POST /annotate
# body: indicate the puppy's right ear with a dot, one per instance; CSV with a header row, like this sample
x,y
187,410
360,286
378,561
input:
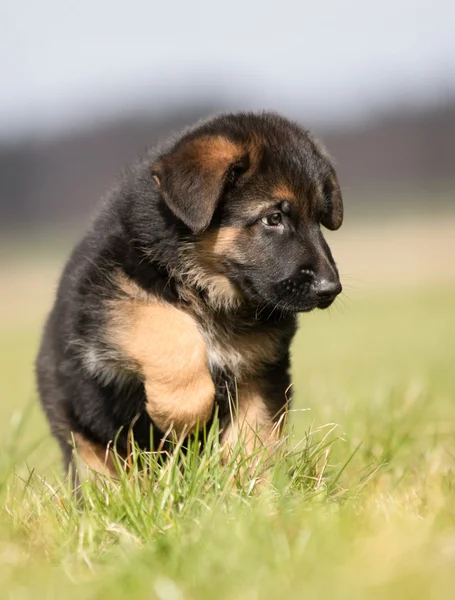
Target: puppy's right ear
x,y
192,176
333,217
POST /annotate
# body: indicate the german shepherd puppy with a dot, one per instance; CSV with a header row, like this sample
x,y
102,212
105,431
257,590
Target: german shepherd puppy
x,y
184,291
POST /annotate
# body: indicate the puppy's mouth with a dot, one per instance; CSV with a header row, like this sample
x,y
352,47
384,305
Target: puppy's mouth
x,y
303,300
326,303
302,305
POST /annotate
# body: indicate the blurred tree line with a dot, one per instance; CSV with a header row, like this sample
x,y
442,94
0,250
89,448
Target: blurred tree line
x,y
58,179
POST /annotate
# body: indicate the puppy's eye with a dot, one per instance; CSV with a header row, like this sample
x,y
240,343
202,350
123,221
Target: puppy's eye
x,y
273,220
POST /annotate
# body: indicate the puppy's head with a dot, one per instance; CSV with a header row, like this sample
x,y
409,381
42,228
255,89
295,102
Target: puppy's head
x,y
253,192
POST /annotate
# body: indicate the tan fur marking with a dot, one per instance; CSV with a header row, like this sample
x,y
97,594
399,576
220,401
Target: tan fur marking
x,y
222,292
93,457
253,422
213,153
219,242
202,264
255,147
283,192
171,354
130,288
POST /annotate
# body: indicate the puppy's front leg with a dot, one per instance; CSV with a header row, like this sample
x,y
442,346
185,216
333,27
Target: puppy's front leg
x,y
171,355
91,457
255,421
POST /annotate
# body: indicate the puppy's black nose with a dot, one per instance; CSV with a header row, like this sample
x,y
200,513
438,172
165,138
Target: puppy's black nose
x,y
327,289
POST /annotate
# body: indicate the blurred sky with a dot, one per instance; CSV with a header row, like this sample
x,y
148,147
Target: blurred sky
x,y
62,62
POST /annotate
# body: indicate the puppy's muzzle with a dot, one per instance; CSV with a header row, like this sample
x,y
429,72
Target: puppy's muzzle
x,y
311,288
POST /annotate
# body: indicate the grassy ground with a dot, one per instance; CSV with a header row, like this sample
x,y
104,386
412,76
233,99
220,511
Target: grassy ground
x,y
360,502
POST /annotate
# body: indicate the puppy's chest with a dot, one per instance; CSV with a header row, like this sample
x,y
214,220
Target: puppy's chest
x,y
240,354
149,336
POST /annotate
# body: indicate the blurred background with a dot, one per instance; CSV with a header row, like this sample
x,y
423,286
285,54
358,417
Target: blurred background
x,y
88,85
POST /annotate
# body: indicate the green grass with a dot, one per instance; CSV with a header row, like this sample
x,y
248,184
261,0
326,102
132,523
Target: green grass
x,y
360,501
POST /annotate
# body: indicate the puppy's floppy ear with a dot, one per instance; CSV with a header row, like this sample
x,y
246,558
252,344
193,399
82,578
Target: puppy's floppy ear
x,y
333,215
192,175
